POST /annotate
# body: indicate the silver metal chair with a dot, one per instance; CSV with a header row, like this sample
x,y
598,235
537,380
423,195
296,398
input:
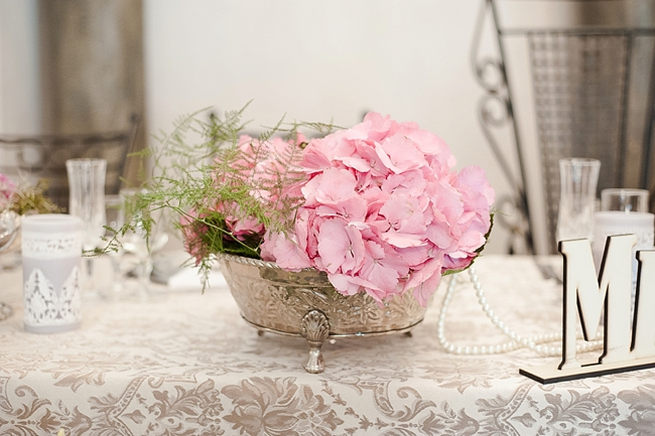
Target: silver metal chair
x,y
43,157
591,88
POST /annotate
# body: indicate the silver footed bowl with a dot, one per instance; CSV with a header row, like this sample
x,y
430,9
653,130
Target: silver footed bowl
x,y
9,227
305,303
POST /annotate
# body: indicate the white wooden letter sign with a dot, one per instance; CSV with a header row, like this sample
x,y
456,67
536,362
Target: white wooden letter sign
x,y
628,343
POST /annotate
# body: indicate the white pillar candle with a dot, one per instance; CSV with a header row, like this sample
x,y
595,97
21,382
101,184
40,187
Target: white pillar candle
x,y
51,250
620,222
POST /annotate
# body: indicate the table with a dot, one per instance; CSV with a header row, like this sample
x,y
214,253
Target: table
x,y
184,363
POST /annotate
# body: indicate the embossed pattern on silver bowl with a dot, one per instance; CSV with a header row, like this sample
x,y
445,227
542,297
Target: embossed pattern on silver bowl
x,y
305,303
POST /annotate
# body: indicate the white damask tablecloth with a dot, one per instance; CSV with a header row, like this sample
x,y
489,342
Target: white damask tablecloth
x,y
186,364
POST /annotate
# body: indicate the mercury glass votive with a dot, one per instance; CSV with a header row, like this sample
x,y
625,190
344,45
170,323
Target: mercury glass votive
x,y
52,251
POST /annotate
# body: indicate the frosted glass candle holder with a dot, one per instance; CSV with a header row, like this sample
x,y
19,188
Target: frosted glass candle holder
x,y
51,251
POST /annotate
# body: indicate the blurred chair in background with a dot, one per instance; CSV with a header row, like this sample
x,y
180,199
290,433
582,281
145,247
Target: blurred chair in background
x,y
43,157
571,78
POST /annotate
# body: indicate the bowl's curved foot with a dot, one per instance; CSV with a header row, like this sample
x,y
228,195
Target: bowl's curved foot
x,y
315,328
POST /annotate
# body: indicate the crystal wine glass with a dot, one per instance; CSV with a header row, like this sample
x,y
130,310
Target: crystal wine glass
x,y
114,252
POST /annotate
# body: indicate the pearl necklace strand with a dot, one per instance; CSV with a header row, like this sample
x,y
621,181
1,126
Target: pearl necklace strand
x,y
538,343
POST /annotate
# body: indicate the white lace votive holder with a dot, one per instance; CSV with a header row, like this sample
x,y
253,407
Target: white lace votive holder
x,y
52,251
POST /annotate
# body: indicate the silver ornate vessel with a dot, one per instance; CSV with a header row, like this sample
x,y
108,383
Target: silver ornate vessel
x,y
305,304
9,228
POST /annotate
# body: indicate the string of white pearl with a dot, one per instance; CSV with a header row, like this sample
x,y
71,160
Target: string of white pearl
x,y
537,343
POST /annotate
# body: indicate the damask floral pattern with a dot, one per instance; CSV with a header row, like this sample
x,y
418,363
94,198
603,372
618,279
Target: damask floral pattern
x,y
185,364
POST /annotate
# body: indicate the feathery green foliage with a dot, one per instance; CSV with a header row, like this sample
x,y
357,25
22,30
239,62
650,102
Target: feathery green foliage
x,y
202,175
32,199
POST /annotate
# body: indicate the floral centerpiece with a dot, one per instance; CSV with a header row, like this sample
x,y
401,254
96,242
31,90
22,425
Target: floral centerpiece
x,y
24,199
18,200
377,208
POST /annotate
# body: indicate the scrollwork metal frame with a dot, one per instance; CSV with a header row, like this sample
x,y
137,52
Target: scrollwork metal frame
x,y
495,111
576,114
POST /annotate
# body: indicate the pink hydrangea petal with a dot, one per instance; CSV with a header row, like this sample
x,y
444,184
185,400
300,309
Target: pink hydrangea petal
x,y
314,159
333,243
403,240
285,252
413,256
474,179
386,159
446,201
340,246
403,153
439,234
430,268
407,214
368,153
380,275
356,163
427,288
350,284
330,187
456,263
344,284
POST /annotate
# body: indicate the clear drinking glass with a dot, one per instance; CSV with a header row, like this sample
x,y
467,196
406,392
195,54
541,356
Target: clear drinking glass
x,y
86,184
578,182
134,242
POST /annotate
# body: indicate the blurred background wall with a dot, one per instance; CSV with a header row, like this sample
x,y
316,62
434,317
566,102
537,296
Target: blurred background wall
x,y
20,94
311,60
69,67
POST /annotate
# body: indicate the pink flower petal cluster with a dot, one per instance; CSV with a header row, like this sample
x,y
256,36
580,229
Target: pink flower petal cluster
x,y
259,164
384,212
7,190
192,231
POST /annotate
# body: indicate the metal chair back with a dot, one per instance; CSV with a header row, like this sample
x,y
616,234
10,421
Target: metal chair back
x,y
592,89
43,157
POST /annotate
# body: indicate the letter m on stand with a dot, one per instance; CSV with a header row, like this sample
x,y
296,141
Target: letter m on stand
x,y
624,348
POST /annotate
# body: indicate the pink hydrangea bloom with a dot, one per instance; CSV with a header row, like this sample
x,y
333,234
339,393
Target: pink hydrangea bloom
x,y
7,190
384,211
